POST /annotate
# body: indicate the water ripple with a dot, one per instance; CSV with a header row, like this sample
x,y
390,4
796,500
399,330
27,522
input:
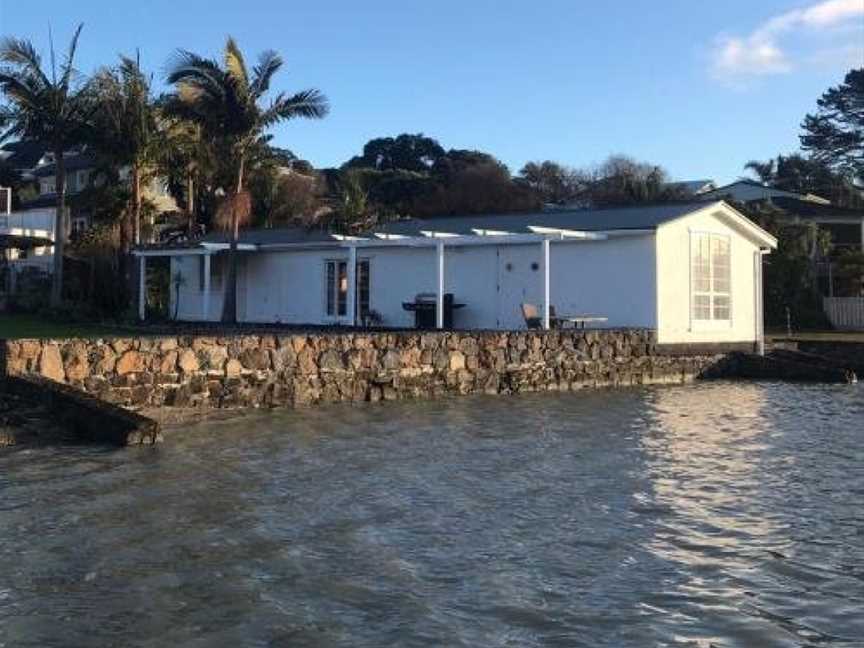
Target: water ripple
x,y
717,515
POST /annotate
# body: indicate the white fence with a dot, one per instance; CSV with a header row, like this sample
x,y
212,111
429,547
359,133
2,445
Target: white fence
x,y
845,312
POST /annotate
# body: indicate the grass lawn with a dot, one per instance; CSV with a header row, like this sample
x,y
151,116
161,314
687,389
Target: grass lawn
x,y
817,336
32,326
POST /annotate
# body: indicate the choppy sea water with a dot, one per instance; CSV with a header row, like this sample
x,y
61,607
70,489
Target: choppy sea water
x,y
719,514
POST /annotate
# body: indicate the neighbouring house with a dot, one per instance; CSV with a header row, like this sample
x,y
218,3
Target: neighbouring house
x,y
692,188
36,216
25,157
745,190
692,272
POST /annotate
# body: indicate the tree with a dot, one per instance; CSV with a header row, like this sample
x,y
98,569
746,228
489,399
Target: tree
x,y
53,107
555,183
282,196
791,277
409,152
806,175
835,133
127,128
226,100
622,181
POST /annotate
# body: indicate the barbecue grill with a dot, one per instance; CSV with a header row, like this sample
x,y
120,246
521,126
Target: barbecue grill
x,y
424,306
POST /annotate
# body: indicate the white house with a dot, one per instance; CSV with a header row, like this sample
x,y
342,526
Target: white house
x,y
692,272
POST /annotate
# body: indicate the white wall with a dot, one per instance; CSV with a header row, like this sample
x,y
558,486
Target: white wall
x,y
191,296
30,222
613,278
285,287
673,272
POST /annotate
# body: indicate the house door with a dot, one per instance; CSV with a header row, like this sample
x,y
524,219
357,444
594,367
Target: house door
x,y
520,280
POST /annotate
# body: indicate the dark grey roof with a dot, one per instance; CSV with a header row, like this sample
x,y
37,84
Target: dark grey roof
x,y
74,162
24,154
622,218
810,209
273,236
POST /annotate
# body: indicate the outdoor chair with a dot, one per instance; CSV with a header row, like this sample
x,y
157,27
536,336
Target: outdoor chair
x,y
533,320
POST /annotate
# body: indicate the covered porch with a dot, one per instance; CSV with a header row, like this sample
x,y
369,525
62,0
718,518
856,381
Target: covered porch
x,y
352,249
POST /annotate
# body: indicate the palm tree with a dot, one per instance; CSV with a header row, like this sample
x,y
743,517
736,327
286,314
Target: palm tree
x,y
185,159
765,171
128,130
227,101
53,108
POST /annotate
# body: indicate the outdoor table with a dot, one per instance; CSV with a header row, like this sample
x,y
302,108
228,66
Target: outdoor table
x,y
578,321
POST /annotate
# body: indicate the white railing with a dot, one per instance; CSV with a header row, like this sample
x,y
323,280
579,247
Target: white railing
x,y
845,312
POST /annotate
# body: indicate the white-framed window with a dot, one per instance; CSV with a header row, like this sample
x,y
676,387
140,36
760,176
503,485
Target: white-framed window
x,y
336,288
710,277
47,187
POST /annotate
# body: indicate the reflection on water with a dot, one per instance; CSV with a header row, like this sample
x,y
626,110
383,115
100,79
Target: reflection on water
x,y
721,514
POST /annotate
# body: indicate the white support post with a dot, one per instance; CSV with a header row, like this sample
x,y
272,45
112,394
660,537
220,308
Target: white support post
x,y
205,298
760,305
439,303
546,310
142,287
352,285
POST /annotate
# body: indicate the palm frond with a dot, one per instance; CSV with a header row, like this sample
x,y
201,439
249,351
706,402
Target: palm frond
x,y
69,63
308,104
21,54
269,63
188,67
235,65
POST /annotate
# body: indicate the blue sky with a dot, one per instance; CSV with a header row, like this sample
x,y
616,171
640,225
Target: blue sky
x,y
697,87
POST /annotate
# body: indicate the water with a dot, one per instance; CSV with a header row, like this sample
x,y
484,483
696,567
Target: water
x,y
720,514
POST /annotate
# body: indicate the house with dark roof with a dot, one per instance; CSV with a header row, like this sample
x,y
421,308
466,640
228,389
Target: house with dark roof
x,y
746,190
25,157
691,272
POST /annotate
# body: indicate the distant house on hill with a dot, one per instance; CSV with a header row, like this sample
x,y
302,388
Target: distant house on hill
x,y
692,188
745,191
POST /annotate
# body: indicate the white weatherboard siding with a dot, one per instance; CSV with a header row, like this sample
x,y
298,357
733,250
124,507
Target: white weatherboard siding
x,y
673,283
285,287
613,278
191,296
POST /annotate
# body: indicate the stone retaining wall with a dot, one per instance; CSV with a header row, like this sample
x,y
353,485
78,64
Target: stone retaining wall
x,y
299,369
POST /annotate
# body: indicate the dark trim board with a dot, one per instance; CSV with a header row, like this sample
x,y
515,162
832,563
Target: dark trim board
x,y
705,348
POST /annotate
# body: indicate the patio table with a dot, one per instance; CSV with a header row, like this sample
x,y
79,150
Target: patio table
x,y
578,321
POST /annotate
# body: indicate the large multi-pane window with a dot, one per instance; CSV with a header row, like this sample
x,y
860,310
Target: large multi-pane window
x,y
711,281
336,283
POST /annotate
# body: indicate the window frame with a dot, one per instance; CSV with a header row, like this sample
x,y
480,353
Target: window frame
x,y
331,305
712,323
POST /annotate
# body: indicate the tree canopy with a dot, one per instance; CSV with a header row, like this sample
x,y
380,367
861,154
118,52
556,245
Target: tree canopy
x,y
834,134
806,175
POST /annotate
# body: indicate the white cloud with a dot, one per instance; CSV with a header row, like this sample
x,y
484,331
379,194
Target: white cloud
x,y
738,58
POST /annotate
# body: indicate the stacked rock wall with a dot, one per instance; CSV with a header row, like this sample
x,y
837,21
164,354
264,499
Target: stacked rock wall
x,y
299,369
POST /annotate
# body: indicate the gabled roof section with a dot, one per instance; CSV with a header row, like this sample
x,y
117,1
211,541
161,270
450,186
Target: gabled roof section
x,y
23,154
739,222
